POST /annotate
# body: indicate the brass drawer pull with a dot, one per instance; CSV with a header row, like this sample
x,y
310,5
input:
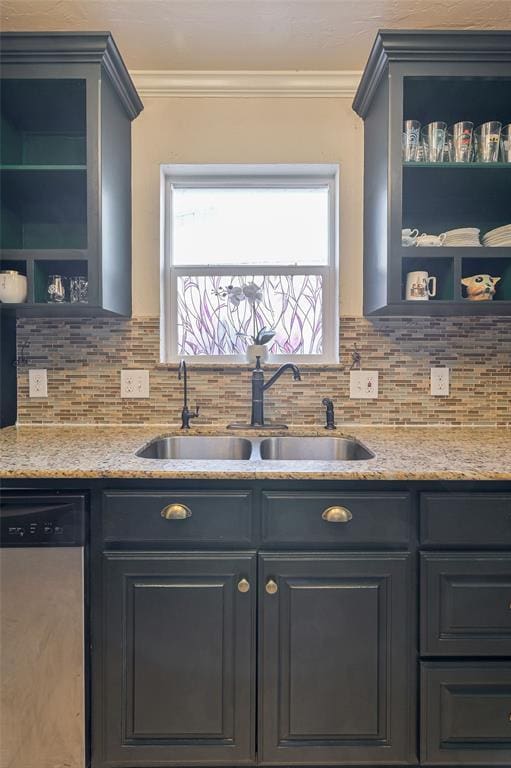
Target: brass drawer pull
x,y
272,587
243,585
337,515
176,512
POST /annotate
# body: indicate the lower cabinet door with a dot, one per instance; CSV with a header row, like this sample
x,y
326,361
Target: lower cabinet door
x,y
336,676
466,713
175,683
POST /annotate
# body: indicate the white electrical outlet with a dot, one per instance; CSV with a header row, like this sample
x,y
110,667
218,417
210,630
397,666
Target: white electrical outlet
x,y
440,382
37,383
363,385
134,383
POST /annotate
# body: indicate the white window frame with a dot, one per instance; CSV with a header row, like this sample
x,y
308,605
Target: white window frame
x,y
242,175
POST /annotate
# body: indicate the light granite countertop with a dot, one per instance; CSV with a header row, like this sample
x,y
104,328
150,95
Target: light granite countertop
x,y
401,453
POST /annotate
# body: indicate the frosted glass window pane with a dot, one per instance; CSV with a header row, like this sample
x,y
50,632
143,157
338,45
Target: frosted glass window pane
x,y
225,226
211,323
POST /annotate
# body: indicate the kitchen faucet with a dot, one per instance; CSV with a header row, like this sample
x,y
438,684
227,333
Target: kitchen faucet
x,y
186,414
259,387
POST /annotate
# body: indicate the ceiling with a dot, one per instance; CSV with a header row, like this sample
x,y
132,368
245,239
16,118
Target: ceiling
x,y
250,34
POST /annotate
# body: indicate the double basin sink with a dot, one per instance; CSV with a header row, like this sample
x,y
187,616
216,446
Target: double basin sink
x,y
199,448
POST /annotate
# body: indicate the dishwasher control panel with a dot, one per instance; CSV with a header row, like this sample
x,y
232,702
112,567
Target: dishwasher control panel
x,y
42,520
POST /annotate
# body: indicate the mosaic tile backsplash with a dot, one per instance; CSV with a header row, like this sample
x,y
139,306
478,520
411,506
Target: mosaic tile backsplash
x,y
84,359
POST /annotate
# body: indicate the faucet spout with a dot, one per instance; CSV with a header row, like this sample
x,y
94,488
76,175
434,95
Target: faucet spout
x,y
182,373
278,373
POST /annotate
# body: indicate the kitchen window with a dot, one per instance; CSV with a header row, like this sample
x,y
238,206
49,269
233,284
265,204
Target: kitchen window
x,y
247,248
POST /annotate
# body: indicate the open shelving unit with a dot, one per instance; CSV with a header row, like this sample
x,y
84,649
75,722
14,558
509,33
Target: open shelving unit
x,y
66,105
429,76
43,180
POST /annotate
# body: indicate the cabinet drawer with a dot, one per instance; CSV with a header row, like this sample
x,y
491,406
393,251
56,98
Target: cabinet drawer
x,y
211,517
465,714
466,604
466,520
372,519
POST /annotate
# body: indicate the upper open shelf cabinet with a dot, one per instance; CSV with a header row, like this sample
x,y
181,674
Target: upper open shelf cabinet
x,y
434,77
66,106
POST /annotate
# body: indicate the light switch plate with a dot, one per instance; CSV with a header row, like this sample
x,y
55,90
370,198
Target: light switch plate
x,y
134,383
363,385
440,382
37,382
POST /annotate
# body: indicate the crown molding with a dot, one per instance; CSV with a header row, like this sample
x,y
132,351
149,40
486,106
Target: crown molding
x,y
34,48
225,83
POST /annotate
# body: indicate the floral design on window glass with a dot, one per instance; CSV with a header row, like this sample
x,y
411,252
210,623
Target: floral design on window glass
x,y
212,322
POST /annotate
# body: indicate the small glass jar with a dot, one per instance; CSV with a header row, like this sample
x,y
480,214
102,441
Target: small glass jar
x,y
56,289
78,289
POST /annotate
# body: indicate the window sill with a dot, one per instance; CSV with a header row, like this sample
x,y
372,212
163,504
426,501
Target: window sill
x,y
220,366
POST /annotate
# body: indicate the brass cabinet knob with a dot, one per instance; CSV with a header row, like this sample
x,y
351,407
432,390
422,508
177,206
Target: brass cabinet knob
x,y
337,515
272,587
243,585
176,512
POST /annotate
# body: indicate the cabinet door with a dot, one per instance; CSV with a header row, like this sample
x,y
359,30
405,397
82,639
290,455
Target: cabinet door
x,y
465,604
466,713
337,679
177,663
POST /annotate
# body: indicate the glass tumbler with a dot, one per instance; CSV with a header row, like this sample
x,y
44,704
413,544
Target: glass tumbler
x,y
488,142
78,289
462,137
56,289
505,144
411,139
448,153
433,141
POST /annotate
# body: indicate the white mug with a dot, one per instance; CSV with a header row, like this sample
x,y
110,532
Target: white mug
x,y
420,286
429,241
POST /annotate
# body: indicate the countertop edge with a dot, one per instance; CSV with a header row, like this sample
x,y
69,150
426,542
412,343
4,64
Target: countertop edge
x,y
257,475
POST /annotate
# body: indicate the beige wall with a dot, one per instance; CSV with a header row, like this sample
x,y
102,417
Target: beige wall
x,y
244,130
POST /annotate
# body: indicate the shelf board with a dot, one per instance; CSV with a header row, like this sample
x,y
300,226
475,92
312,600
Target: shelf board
x,y
66,309
446,252
466,166
43,254
9,167
443,308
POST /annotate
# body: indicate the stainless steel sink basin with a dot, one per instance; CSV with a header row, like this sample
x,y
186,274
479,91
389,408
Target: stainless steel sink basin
x,y
313,449
197,448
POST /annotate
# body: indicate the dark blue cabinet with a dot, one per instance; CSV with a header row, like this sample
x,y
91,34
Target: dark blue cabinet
x,y
336,659
426,76
67,102
177,682
256,631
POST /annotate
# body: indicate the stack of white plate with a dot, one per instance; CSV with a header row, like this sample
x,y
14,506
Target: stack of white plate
x,y
499,238
467,236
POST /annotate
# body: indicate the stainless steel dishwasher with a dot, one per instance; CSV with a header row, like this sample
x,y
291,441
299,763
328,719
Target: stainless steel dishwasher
x,y
42,649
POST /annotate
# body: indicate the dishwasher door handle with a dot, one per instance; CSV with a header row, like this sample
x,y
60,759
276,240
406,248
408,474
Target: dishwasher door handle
x,y
9,509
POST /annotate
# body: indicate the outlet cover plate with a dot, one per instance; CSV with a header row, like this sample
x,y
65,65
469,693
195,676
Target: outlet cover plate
x,y
363,385
134,383
37,382
439,378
